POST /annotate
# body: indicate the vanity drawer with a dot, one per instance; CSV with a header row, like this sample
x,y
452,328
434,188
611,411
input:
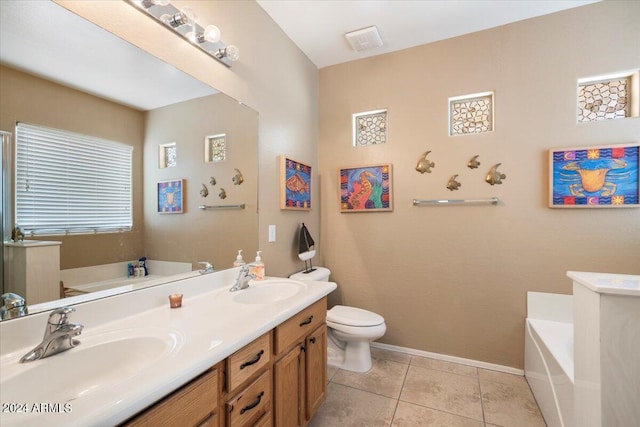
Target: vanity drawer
x,y
247,361
265,421
303,323
251,403
188,406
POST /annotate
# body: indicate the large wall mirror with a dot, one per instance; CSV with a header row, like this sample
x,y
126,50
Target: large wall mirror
x,y
60,71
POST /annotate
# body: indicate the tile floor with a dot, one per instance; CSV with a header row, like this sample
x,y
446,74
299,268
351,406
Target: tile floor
x,y
402,390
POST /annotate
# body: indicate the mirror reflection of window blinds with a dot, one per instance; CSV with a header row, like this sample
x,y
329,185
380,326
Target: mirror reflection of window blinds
x,y
69,183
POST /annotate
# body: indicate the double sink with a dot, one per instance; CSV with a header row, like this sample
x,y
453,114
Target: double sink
x,y
108,359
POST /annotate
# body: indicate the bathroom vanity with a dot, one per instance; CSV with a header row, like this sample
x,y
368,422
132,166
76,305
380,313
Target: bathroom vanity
x,y
255,357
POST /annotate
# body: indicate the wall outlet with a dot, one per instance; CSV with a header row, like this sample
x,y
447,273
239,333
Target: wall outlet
x,y
272,233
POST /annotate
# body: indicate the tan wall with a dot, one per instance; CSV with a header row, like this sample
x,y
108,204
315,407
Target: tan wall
x,y
272,76
453,280
26,98
197,235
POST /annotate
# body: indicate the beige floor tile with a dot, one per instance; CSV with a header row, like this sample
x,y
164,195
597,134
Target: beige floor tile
x,y
503,378
409,415
385,378
348,407
394,356
331,371
510,406
453,393
442,365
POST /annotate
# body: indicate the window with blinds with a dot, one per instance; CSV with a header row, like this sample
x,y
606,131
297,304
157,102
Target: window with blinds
x,y
67,183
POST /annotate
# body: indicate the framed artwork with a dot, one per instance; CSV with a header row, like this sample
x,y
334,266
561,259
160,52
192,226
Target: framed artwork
x,y
295,185
594,177
366,189
170,196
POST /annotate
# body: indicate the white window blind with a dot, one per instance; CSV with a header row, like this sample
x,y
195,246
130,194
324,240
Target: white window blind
x,y
70,183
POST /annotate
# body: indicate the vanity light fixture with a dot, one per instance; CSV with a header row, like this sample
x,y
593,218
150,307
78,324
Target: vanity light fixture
x,y
184,23
231,52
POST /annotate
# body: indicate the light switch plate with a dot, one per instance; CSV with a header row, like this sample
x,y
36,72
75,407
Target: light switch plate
x,y
272,233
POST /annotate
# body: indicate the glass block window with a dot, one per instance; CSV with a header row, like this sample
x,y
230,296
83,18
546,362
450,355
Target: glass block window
x,y
215,149
167,155
470,114
370,128
604,100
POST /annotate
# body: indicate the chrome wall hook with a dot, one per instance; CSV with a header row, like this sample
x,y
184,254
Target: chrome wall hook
x,y
222,194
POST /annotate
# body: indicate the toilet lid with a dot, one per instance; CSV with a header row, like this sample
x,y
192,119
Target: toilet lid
x,y
352,316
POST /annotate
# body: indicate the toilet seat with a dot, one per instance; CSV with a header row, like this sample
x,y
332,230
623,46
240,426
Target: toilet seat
x,y
352,316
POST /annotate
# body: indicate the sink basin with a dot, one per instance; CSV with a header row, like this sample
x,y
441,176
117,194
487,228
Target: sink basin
x,y
99,361
269,291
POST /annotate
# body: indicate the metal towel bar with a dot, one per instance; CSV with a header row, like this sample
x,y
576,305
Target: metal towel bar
x,y
490,200
207,207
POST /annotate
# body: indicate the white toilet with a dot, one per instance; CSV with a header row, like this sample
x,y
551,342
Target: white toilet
x,y
349,330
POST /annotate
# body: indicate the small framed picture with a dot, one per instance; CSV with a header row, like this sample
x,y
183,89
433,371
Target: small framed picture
x,y
594,177
295,185
366,189
170,196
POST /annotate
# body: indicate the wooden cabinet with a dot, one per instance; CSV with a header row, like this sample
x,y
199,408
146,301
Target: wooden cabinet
x,y
315,371
249,405
194,405
300,370
287,373
279,379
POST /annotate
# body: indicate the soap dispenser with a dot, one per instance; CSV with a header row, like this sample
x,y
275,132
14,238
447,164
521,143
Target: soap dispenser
x,y
257,268
239,261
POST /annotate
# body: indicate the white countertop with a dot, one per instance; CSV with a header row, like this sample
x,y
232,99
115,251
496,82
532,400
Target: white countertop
x,y
608,283
209,327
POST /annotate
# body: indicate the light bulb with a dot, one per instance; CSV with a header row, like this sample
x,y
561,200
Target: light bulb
x,y
232,52
188,16
211,34
191,35
185,17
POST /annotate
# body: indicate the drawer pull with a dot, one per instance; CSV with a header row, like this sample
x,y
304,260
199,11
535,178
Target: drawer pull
x,y
306,322
253,361
253,405
313,340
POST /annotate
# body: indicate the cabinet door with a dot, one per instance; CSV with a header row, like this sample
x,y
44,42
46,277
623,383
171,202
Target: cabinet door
x,y
316,370
288,390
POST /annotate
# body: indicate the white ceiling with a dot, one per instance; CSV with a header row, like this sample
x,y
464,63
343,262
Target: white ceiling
x,y
47,40
317,27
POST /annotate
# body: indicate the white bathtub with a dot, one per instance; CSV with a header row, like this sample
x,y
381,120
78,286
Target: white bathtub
x,y
549,357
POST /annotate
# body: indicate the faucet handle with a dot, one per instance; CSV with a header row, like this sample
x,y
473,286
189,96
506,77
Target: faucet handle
x,y
207,267
60,316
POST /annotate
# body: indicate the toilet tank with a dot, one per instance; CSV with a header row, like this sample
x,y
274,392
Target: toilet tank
x,y
319,274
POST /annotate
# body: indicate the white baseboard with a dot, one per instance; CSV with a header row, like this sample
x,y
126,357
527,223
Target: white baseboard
x,y
447,358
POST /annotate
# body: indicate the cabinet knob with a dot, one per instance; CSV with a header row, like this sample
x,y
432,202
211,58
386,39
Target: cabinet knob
x,y
313,340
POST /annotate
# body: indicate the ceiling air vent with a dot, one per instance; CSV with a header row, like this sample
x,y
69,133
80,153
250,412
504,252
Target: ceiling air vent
x,y
366,38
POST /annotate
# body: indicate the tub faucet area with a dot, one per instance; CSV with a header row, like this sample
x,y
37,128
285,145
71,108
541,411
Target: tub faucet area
x,y
58,336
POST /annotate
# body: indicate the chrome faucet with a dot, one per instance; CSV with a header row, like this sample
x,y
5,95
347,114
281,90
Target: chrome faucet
x,y
58,336
206,267
242,282
13,305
